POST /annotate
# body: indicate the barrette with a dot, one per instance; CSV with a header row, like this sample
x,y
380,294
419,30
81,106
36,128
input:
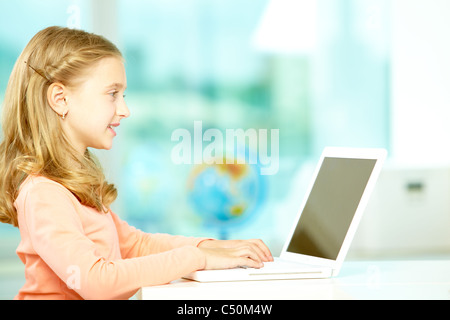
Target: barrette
x,y
38,72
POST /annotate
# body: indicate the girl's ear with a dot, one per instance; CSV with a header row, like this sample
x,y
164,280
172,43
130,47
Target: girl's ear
x,y
56,97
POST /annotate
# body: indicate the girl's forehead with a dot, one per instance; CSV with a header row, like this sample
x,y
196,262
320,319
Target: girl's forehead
x,y
107,73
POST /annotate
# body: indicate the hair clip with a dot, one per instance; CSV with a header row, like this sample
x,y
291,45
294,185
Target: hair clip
x,y
38,72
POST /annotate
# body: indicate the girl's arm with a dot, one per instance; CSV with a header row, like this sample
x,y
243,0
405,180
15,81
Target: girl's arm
x,y
136,243
219,253
58,237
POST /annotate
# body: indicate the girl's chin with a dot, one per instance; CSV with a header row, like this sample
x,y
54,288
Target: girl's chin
x,y
104,146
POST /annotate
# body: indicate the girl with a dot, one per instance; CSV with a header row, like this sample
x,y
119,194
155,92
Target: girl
x,y
65,94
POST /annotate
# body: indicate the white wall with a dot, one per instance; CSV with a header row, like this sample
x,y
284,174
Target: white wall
x,y
421,81
401,221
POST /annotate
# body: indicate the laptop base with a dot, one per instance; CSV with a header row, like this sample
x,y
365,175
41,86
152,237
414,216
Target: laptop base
x,y
277,270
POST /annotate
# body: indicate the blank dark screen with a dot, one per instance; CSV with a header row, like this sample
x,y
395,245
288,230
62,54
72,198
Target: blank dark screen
x,y
330,207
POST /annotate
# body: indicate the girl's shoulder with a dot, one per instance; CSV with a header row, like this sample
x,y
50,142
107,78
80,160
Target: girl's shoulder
x,y
41,183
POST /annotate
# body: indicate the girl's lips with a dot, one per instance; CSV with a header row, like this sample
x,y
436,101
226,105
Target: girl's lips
x,y
112,126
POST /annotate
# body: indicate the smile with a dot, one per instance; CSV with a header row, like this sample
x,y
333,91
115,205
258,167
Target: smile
x,y
112,126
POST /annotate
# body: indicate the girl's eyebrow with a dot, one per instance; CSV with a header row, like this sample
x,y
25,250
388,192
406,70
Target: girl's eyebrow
x,y
115,85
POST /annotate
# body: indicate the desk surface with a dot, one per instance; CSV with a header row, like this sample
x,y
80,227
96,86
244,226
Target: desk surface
x,y
357,280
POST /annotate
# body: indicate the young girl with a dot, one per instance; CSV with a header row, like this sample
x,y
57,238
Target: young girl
x,y
65,94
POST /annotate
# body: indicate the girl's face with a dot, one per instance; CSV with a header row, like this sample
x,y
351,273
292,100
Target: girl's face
x,y
96,106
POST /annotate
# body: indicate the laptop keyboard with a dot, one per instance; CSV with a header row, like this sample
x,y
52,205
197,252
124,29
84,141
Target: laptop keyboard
x,y
279,264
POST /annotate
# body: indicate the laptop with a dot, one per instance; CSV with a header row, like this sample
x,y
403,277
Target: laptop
x,y
319,239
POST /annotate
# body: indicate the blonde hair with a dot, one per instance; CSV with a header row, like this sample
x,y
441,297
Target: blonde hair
x,y
33,141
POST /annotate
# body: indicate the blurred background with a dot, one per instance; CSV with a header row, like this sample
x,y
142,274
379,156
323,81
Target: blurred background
x,y
353,73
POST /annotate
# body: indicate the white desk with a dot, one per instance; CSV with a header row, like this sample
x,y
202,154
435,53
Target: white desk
x,y
357,280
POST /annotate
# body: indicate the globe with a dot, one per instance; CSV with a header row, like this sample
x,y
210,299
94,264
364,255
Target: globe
x,y
226,196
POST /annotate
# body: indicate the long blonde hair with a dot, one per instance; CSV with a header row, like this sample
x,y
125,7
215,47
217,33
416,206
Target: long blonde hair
x,y
33,141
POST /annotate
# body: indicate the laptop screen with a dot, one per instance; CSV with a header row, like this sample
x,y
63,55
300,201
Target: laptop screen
x,y
330,207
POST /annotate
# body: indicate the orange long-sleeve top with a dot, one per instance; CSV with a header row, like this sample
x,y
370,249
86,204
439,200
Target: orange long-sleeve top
x,y
71,251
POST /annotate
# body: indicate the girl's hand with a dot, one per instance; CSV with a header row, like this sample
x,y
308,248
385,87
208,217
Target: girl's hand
x,y
224,254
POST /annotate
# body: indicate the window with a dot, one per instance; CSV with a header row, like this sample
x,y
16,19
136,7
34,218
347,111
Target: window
x,y
315,71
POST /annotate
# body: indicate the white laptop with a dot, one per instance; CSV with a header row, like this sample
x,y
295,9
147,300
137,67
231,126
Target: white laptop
x,y
326,223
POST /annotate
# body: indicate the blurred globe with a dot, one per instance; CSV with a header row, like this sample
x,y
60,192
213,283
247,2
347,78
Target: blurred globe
x,y
226,196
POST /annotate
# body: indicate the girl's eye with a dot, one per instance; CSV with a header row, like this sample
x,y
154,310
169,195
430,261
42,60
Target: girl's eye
x,y
114,94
